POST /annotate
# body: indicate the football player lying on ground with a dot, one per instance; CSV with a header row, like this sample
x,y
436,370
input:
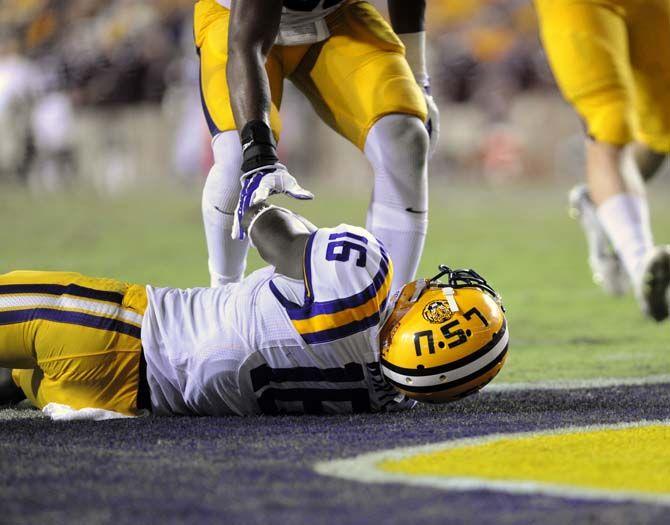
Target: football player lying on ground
x,y
314,332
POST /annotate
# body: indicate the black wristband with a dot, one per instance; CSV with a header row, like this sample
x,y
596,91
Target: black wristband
x,y
258,145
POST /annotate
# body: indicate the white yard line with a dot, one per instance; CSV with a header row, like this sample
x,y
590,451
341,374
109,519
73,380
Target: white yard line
x,y
365,468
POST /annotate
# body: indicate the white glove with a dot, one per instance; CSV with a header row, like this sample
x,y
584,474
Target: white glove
x,y
258,185
432,120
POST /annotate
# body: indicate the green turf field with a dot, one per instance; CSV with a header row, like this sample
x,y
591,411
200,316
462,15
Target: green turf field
x,y
521,239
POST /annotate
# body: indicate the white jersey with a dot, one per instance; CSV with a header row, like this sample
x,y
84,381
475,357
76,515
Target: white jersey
x,y
302,21
271,344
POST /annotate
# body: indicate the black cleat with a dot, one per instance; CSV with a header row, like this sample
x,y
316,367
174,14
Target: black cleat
x,y
654,285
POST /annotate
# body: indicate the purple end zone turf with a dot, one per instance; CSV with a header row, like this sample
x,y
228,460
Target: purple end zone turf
x,y
259,469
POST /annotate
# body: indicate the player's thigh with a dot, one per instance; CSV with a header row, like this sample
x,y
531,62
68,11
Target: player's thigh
x,y
359,74
649,35
83,336
20,293
211,38
586,43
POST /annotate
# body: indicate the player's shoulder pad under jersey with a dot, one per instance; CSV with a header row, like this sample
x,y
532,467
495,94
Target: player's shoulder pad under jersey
x,y
347,277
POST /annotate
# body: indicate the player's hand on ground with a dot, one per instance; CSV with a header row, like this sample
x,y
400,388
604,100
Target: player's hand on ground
x,y
261,183
432,119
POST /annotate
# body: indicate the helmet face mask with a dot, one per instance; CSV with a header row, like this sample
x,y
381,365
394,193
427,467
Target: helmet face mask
x,y
442,341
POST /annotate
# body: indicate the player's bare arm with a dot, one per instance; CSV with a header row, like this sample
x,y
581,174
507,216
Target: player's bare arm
x,y
280,237
253,29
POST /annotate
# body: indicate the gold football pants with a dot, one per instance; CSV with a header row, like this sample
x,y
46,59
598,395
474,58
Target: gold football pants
x,y
353,78
72,339
611,61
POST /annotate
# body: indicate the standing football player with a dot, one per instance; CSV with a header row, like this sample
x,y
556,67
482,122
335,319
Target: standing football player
x,y
611,59
366,80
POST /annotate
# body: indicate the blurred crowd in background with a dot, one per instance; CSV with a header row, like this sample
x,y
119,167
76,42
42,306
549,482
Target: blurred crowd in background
x,y
107,92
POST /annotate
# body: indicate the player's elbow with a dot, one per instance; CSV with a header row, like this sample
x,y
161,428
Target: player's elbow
x,y
287,256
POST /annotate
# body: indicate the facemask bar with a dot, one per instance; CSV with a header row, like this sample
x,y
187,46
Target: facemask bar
x,y
463,278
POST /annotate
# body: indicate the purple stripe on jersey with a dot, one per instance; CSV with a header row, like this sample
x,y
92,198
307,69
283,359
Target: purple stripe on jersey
x,y
63,316
347,234
60,289
310,309
332,334
283,300
337,305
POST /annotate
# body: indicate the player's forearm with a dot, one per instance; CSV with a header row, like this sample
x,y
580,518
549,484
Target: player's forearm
x,y
407,16
250,97
280,236
252,30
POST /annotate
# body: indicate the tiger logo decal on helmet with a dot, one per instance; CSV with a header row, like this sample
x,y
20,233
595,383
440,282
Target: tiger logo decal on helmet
x,y
444,338
437,312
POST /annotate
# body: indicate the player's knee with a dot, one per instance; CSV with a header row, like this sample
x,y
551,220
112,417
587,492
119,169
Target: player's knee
x,y
411,138
608,116
399,144
221,189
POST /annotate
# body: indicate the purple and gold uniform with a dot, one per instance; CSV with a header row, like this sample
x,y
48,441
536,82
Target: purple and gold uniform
x,y
353,70
610,59
268,344
72,339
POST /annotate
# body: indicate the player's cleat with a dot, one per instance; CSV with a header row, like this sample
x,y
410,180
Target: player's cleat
x,y
606,267
653,287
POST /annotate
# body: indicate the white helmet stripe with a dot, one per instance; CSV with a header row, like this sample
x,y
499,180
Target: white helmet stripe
x,y
451,375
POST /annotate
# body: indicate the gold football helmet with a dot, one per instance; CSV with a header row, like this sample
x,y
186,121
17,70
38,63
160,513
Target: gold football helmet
x,y
443,341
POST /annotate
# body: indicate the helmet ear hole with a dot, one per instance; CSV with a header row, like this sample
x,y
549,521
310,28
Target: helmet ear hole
x,y
434,350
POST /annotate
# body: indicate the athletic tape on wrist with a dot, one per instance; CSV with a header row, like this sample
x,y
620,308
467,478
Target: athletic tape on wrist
x,y
258,145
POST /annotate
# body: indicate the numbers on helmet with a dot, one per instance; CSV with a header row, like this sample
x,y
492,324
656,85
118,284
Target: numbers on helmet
x,y
451,330
428,335
473,311
448,333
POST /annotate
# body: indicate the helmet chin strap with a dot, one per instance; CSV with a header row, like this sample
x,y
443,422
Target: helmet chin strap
x,y
448,293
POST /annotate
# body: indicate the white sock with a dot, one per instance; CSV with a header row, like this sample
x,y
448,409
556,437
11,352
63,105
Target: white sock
x,y
227,256
403,236
397,148
625,218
